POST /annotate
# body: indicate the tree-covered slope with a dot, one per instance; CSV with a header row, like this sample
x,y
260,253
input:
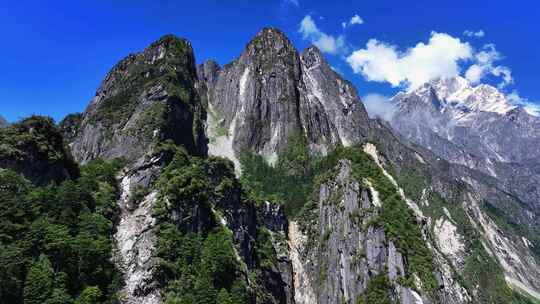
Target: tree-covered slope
x,y
35,148
316,204
55,240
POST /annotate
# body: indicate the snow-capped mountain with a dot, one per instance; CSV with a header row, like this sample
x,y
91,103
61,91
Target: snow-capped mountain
x,y
476,126
458,99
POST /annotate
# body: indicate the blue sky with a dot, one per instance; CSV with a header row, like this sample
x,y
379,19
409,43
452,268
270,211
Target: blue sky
x,y
54,54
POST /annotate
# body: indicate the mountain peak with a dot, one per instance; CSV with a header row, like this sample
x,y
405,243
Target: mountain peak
x,y
270,43
271,33
458,95
449,85
170,40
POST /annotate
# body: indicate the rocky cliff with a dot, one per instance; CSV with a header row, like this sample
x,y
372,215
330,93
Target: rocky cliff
x,y
150,110
372,217
271,91
147,97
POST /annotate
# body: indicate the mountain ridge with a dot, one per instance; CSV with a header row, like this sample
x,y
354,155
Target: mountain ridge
x,y
376,217
498,144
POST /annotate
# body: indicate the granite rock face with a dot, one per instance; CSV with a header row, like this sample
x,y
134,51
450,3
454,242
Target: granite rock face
x,y
135,234
338,252
255,104
271,93
147,97
253,108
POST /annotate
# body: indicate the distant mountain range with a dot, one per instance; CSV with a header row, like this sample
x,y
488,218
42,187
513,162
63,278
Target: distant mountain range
x,y
475,126
265,181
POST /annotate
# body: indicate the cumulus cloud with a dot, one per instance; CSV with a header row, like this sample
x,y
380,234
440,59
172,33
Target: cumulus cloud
x,y
383,62
477,34
530,107
379,106
355,20
326,43
485,65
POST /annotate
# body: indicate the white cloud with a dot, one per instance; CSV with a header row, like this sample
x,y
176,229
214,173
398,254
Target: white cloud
x,y
485,65
383,62
530,107
326,43
354,20
379,106
474,73
477,34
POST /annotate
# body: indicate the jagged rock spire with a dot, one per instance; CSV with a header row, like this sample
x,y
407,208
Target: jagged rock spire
x,y
271,92
147,96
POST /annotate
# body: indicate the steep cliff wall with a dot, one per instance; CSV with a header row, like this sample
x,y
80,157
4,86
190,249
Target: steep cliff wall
x,y
271,92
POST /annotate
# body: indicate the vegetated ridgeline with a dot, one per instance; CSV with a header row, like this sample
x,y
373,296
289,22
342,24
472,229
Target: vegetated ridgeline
x,y
316,202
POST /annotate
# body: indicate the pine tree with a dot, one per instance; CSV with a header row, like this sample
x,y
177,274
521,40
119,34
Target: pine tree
x,y
39,281
224,297
90,295
205,292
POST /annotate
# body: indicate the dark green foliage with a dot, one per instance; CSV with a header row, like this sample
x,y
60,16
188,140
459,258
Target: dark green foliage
x,y
70,126
290,181
224,297
297,174
55,241
413,181
90,295
34,147
377,291
484,271
196,258
116,108
138,194
266,255
36,133
38,286
151,119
